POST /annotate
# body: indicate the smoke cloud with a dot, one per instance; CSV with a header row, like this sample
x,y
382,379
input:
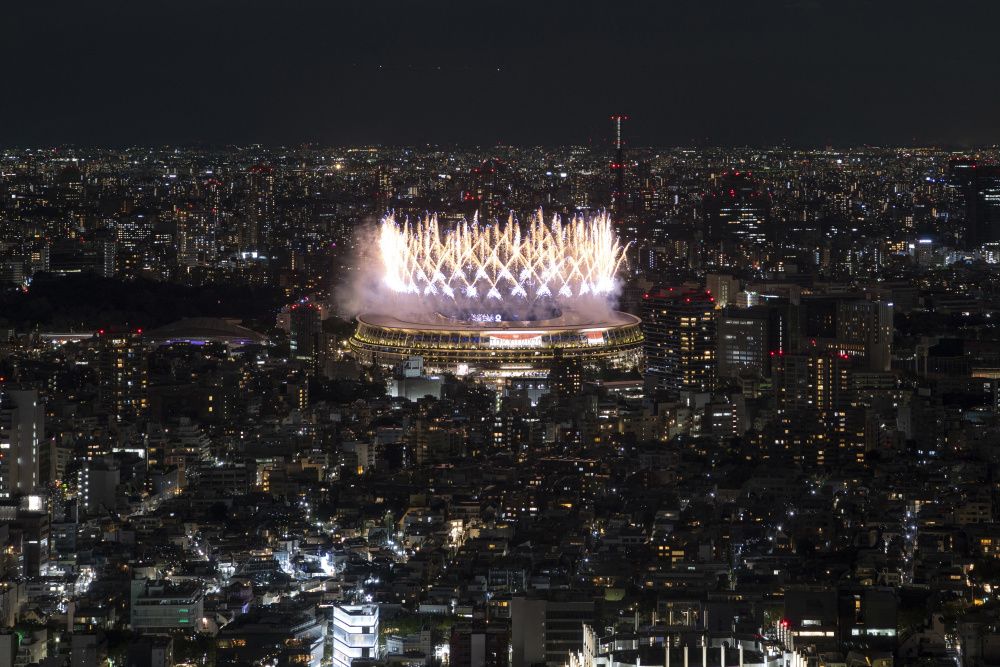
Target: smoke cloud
x,y
407,269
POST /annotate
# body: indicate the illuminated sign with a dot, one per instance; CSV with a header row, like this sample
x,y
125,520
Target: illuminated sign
x,y
515,339
484,318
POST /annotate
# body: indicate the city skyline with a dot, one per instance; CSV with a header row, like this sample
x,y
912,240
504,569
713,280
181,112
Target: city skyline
x,y
220,446
500,334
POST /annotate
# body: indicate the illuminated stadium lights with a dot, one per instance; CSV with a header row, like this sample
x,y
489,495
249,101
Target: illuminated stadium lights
x,y
507,299
445,343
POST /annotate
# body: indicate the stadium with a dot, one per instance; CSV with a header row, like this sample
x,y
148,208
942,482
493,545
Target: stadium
x,y
498,347
499,300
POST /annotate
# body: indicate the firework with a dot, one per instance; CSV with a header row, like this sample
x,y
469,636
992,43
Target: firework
x,y
502,263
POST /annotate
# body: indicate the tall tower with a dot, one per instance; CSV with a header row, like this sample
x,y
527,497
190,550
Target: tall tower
x,y
259,225
680,329
618,168
306,326
489,189
737,210
982,205
122,374
22,428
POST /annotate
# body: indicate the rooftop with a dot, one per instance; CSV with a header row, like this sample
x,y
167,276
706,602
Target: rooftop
x,y
436,322
200,330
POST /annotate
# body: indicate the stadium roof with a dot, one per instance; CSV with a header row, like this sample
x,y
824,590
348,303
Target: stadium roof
x,y
200,330
437,322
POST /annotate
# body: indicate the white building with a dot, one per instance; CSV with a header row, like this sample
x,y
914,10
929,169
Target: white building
x,y
648,650
355,633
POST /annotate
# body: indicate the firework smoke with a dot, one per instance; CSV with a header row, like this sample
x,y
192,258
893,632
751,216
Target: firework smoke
x,y
525,271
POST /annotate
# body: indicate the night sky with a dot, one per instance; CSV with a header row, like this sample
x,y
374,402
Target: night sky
x,y
337,72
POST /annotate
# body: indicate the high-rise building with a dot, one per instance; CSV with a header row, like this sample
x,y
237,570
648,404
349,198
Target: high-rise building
x,y
748,337
95,256
195,236
305,329
121,368
546,631
489,190
97,480
984,204
618,194
737,210
30,519
977,189
723,287
819,421
259,215
108,249
847,324
132,234
355,634
961,171
680,345
22,429
566,376
870,324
